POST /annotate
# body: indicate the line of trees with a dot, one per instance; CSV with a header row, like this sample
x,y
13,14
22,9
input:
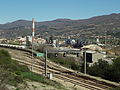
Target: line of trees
x,y
105,70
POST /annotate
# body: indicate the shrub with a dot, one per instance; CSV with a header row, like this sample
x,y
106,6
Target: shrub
x,y
106,71
66,62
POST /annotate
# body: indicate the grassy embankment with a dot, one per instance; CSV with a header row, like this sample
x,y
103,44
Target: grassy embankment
x,y
13,73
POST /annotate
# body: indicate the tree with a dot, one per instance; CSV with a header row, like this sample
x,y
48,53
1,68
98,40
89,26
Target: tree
x,y
106,71
99,68
116,70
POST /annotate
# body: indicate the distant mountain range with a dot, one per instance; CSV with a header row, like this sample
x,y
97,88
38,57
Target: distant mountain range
x,y
63,27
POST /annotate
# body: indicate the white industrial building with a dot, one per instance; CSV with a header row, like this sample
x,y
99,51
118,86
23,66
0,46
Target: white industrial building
x,y
93,56
93,53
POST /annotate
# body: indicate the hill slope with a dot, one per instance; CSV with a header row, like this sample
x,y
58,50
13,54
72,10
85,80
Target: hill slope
x,y
93,26
14,74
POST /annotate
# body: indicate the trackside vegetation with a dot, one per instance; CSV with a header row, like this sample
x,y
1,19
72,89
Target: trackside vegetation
x,y
117,88
100,69
105,70
13,73
65,61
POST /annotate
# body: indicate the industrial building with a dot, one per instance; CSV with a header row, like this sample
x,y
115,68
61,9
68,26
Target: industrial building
x,y
93,53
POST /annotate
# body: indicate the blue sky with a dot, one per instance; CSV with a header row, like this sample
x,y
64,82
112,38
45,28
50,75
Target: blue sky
x,y
45,10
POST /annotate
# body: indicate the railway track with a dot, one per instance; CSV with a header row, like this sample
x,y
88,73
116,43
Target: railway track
x,y
37,69
59,72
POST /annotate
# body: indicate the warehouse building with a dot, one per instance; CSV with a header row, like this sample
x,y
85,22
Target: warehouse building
x,y
93,53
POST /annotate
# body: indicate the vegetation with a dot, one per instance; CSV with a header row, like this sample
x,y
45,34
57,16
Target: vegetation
x,y
105,70
14,42
65,61
117,34
12,73
117,88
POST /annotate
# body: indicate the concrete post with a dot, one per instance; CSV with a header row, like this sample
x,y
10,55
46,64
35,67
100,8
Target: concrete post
x,y
46,63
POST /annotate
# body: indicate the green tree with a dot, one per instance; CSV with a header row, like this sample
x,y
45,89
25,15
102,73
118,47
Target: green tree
x,y
99,68
106,71
116,70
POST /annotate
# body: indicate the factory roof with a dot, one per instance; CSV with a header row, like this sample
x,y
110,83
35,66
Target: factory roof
x,y
92,47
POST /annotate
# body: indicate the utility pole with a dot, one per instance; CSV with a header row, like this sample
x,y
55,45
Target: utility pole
x,y
85,62
46,63
33,34
105,38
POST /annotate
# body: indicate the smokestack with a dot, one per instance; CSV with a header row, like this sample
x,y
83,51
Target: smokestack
x,y
33,34
33,28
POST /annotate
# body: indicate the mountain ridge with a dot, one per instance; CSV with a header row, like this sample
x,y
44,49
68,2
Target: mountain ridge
x,y
64,26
